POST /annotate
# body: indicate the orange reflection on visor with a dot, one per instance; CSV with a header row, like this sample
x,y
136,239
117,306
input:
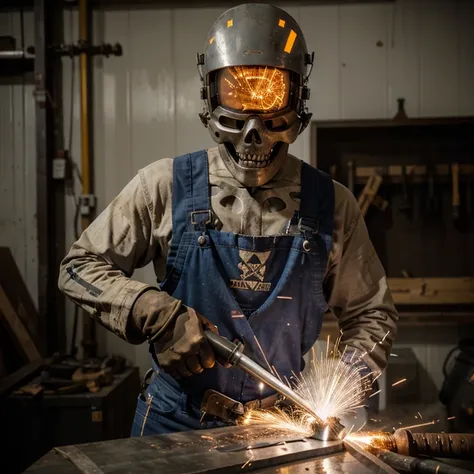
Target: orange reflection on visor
x,y
253,88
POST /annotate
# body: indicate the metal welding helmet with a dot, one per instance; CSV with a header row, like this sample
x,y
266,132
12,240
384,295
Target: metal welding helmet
x,y
254,72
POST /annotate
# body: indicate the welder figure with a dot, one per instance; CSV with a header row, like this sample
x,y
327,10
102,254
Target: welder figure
x,y
256,243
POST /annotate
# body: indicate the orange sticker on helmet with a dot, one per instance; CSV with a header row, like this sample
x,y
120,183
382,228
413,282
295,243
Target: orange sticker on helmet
x,y
290,42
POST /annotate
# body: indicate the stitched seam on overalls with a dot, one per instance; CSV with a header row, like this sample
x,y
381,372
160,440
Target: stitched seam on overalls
x,y
149,400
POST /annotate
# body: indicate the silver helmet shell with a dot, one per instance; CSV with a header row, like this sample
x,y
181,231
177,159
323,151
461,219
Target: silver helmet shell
x,y
255,143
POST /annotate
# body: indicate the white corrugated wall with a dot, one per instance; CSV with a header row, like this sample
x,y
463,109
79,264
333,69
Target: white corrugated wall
x,y
146,103
18,162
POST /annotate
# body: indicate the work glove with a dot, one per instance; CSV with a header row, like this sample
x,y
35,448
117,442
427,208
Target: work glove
x,y
177,332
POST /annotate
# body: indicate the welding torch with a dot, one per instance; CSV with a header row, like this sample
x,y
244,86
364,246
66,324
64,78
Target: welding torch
x,y
233,354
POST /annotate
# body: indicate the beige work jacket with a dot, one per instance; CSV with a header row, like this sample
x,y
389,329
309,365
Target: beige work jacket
x,y
135,229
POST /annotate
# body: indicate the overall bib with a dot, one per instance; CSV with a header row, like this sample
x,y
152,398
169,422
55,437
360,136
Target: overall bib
x,y
263,291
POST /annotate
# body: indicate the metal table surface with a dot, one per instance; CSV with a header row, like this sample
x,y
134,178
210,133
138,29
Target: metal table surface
x,y
231,449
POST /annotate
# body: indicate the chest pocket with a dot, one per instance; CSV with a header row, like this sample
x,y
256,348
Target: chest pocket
x,y
253,275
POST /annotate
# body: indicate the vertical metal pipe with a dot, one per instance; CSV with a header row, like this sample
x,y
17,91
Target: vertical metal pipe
x,y
50,202
89,336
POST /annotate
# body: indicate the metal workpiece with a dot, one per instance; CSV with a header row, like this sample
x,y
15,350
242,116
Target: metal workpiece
x,y
330,430
229,449
339,463
233,355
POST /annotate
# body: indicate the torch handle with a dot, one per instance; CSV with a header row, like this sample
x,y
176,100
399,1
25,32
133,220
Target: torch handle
x,y
233,355
445,445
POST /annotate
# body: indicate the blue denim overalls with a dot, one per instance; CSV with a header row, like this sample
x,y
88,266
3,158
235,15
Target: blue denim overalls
x,y
264,291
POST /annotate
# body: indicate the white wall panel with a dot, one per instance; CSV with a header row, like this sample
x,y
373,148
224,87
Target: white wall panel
x,y
153,87
18,161
465,56
404,58
320,26
438,43
190,27
364,60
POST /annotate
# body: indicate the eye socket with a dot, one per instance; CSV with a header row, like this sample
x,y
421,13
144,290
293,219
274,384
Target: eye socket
x,y
253,88
231,123
278,124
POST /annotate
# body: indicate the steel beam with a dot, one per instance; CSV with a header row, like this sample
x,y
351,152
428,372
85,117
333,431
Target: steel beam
x,y
50,203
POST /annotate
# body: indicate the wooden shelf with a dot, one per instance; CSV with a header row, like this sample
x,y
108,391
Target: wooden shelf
x,y
432,291
430,295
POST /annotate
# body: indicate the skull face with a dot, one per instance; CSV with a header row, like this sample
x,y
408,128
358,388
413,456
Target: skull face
x,y
253,154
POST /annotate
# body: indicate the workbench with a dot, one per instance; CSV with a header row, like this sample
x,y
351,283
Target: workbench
x,y
257,448
211,451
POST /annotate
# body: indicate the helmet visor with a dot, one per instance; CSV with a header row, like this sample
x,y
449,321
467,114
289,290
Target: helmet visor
x,y
259,89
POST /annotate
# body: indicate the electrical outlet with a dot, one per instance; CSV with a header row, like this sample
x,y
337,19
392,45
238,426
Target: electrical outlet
x,y
59,168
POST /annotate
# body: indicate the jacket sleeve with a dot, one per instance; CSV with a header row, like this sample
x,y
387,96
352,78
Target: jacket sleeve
x,y
96,273
356,287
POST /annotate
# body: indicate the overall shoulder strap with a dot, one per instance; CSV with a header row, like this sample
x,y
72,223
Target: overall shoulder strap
x,y
317,203
191,203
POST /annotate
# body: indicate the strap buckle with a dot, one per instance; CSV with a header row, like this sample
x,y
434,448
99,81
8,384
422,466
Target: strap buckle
x,y
207,221
306,224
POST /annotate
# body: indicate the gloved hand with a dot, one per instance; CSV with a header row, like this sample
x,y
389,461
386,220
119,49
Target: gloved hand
x,y
184,349
181,347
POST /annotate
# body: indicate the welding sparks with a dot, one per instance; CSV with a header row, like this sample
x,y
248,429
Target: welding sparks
x,y
419,425
399,382
248,462
371,438
294,421
263,354
375,393
333,386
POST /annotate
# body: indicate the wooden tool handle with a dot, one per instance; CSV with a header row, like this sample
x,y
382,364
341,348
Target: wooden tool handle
x,y
456,197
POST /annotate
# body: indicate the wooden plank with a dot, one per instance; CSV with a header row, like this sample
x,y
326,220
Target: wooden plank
x,y
431,291
413,170
18,296
21,376
25,342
